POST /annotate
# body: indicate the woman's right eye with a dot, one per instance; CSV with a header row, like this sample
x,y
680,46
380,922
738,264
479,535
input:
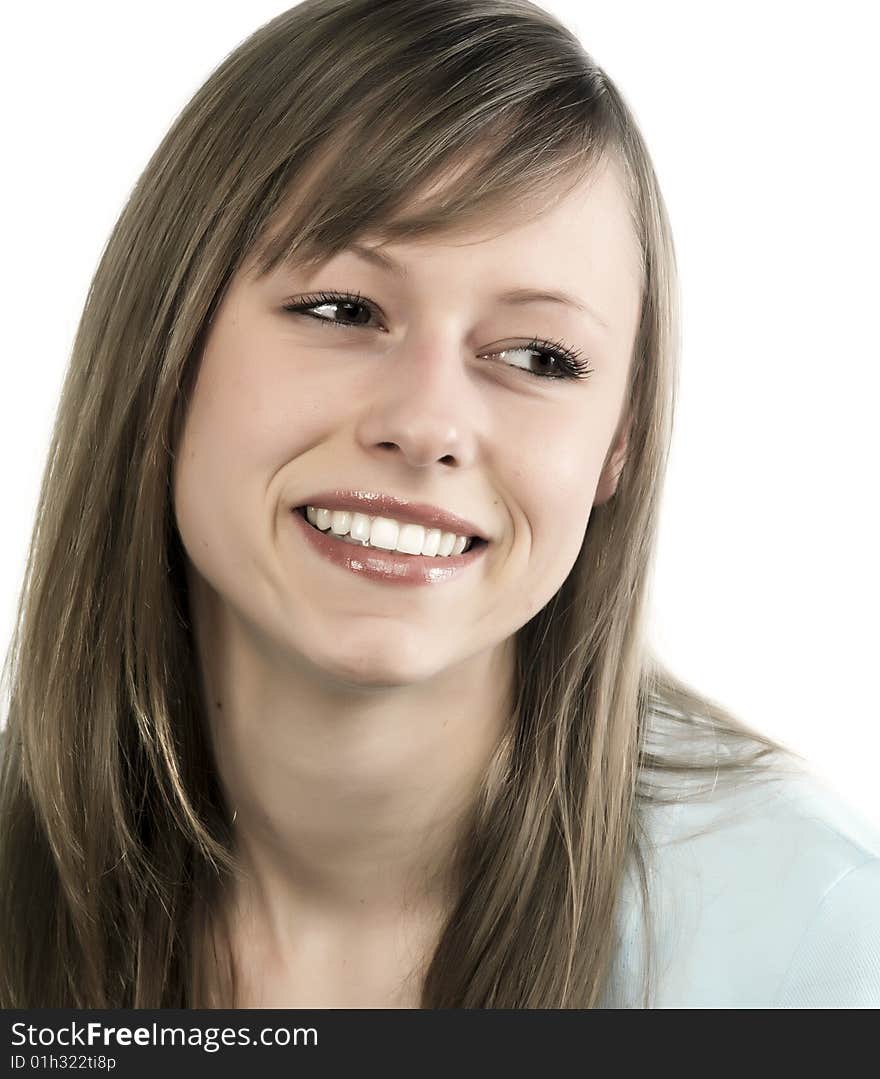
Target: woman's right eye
x,y
321,307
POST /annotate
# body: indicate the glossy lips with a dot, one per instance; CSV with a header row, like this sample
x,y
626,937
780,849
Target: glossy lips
x,y
389,567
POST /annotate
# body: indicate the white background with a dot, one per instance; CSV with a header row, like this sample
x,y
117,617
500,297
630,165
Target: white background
x,y
761,120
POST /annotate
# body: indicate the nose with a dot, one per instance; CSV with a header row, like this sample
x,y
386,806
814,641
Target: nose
x,y
425,404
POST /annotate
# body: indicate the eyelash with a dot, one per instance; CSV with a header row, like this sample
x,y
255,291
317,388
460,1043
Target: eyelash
x,y
569,362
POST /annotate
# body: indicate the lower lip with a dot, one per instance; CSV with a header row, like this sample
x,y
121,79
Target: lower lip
x,y
389,567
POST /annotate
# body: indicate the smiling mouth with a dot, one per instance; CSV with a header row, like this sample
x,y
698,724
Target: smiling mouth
x,y
472,543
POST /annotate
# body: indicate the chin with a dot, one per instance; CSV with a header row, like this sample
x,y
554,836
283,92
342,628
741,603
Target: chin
x,y
377,664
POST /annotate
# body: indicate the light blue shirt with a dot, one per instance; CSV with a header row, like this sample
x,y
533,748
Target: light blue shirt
x,y
766,896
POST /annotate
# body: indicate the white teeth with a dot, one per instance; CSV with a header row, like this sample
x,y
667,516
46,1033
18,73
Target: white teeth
x,y
386,534
357,525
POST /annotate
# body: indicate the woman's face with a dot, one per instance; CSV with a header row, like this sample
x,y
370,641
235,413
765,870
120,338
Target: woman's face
x,y
414,397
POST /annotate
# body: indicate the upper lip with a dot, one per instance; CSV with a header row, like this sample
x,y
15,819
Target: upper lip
x,y
376,504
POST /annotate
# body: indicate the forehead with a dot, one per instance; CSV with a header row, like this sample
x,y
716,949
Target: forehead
x,y
589,223
591,190
577,235
580,239
596,208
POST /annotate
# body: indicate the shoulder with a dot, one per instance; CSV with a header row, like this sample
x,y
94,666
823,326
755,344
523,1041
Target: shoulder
x,y
832,880
765,895
837,961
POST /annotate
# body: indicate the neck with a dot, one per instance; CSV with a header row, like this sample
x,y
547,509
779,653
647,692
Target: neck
x,y
349,801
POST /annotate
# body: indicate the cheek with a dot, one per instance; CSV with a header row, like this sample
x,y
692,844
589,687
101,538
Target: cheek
x,y
218,479
556,467
247,417
556,542
557,475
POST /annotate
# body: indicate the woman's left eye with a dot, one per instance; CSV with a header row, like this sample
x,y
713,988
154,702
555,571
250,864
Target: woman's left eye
x,y
566,362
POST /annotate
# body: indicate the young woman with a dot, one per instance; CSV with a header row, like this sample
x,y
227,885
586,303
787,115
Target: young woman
x,y
330,684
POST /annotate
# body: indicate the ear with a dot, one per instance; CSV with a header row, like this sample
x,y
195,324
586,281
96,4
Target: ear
x,y
614,462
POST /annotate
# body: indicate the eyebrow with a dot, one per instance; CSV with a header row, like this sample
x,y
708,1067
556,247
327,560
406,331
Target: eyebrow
x,y
512,296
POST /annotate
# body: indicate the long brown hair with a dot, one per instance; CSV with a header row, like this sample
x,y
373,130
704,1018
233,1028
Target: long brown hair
x,y
114,836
